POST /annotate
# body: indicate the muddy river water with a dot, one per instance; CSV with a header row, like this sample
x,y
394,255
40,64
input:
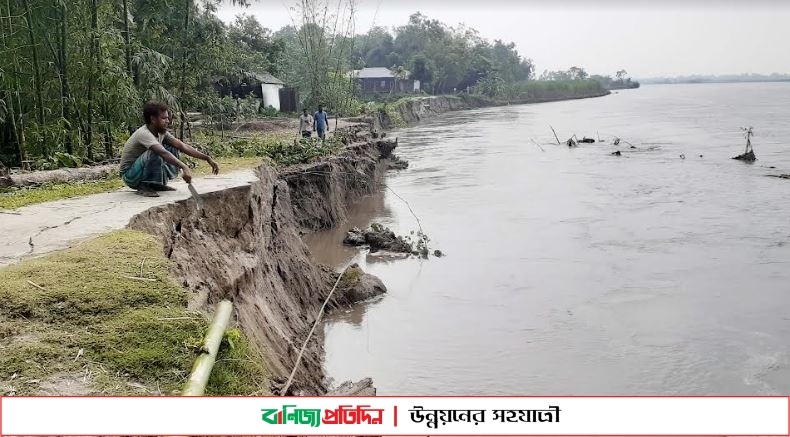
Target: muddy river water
x,y
575,272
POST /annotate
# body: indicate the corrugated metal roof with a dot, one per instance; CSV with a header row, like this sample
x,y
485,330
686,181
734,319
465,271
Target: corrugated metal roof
x,y
373,73
265,77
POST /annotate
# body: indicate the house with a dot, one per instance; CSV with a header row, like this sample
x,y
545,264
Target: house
x,y
270,90
261,85
383,80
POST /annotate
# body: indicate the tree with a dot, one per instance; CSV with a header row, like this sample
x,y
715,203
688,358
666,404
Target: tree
x,y
577,73
422,68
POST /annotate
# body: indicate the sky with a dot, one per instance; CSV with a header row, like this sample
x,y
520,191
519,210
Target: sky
x,y
648,39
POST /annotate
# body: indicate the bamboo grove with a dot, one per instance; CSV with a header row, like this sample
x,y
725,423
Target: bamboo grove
x,y
73,73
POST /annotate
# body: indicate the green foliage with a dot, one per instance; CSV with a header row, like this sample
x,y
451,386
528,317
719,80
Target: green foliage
x,y
269,111
390,112
442,58
318,55
282,149
73,80
554,89
621,81
492,86
68,160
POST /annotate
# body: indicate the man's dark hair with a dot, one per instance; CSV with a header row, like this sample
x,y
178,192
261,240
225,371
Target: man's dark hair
x,y
153,109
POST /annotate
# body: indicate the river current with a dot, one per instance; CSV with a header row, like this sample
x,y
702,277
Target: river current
x,y
570,271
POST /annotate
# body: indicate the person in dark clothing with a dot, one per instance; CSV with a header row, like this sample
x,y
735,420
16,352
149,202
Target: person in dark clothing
x,y
320,122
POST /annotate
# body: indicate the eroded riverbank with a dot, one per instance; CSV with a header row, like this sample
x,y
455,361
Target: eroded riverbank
x,y
246,246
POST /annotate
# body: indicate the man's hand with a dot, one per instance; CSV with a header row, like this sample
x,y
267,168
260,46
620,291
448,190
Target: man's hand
x,y
214,166
187,174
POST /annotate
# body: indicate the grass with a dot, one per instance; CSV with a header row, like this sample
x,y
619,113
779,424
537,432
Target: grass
x,y
17,198
12,199
128,330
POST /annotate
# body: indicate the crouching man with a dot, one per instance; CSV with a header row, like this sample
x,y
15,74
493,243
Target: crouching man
x,y
150,156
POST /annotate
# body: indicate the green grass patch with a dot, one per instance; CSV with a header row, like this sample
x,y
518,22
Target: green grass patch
x,y
129,330
17,198
11,199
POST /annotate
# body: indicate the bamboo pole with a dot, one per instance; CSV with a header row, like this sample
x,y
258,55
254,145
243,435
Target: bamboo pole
x,y
555,136
36,77
196,384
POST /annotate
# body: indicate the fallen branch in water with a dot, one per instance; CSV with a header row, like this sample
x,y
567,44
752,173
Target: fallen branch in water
x,y
555,136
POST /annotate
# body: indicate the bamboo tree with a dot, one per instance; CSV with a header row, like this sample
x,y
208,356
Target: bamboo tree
x,y
65,92
182,91
127,44
94,61
17,124
36,77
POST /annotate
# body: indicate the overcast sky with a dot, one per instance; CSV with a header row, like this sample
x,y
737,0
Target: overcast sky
x,y
660,38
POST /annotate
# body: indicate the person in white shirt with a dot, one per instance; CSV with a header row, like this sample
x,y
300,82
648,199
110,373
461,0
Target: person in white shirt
x,y
306,124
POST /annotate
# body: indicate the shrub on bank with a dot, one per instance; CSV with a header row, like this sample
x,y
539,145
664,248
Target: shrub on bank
x,y
554,89
282,149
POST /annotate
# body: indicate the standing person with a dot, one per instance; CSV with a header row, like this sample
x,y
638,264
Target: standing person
x,y
320,122
305,121
150,156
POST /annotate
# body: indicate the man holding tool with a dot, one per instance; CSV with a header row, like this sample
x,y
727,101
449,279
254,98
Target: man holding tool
x,y
150,156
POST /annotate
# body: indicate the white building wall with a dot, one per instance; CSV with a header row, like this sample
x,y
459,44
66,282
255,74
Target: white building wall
x,y
271,95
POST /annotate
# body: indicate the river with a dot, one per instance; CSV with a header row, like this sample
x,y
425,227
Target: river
x,y
575,272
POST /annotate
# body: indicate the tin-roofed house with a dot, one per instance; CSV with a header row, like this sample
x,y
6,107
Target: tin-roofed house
x,y
270,90
384,80
260,84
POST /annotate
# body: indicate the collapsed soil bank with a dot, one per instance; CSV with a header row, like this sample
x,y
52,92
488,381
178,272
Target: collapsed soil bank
x,y
245,246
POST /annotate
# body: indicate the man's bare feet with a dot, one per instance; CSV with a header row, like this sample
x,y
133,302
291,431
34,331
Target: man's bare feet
x,y
147,193
151,186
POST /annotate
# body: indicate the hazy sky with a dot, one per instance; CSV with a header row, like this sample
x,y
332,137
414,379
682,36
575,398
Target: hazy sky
x,y
660,38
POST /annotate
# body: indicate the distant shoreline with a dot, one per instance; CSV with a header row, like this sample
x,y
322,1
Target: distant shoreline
x,y
697,82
